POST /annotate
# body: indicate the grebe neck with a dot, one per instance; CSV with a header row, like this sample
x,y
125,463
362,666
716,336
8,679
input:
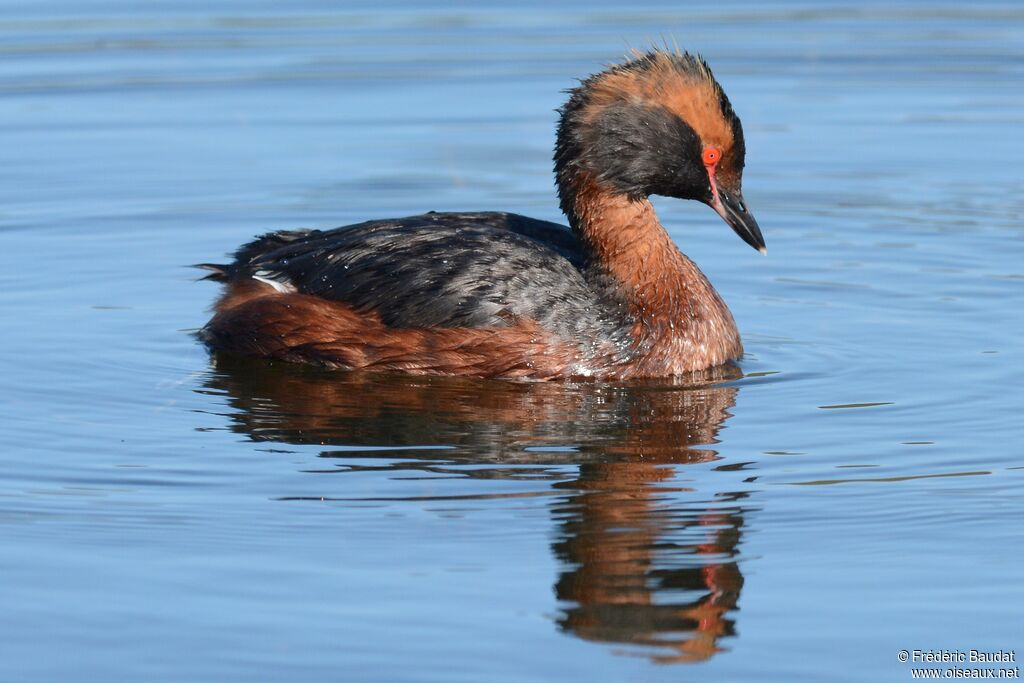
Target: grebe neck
x,y
679,322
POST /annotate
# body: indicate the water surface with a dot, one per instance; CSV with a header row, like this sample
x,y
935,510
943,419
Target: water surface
x,y
852,490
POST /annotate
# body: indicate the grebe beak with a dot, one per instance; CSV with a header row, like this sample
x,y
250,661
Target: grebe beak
x,y
731,207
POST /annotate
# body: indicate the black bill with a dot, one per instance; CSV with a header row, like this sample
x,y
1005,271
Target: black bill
x,y
730,206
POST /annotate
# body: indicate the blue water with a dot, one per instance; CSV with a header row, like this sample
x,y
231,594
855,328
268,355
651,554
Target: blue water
x,y
855,490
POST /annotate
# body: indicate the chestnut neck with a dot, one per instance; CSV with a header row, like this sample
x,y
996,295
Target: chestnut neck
x,y
679,321
624,238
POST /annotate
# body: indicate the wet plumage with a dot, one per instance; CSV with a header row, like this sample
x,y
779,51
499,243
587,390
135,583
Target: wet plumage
x,y
498,294
475,270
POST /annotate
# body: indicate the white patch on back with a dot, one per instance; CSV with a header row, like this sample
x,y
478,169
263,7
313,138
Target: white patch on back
x,y
278,281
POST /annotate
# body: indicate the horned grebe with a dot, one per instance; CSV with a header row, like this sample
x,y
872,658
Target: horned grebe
x,y
501,295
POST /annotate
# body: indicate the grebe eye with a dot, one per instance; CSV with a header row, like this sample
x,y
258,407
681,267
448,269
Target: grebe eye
x,y
711,156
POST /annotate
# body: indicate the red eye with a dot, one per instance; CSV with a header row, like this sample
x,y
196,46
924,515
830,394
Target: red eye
x,y
711,156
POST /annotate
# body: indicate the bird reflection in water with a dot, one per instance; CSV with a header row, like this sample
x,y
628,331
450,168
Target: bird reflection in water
x,y
645,563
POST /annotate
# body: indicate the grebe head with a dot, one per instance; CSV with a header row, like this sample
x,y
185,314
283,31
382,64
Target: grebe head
x,y
658,124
